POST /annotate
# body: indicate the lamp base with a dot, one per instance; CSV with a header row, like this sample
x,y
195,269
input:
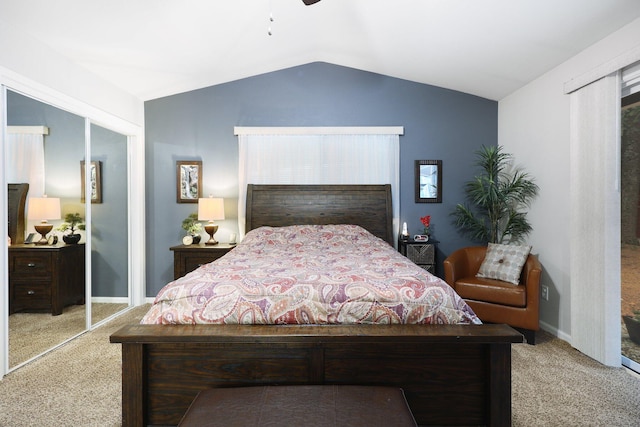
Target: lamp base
x,y
43,229
211,230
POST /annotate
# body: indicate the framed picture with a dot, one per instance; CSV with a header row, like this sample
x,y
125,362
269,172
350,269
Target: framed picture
x,y
189,181
96,181
428,181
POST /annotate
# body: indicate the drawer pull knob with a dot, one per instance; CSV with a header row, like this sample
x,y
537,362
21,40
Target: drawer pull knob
x,y
31,265
31,292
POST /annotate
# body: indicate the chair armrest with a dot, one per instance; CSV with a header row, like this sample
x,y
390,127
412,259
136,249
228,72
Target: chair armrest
x,y
530,278
455,266
463,262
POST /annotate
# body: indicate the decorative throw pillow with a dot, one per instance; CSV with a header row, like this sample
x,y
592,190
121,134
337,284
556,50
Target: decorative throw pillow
x,y
504,262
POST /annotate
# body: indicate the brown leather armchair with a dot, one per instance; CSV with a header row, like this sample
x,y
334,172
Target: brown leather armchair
x,y
495,301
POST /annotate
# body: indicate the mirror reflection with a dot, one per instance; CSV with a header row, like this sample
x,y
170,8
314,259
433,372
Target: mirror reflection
x,y
108,195
46,281
428,181
46,164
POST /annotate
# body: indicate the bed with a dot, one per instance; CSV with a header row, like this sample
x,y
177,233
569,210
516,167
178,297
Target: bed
x,y
452,374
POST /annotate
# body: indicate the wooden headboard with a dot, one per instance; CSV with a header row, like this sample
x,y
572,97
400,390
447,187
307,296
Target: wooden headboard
x,y
368,206
17,195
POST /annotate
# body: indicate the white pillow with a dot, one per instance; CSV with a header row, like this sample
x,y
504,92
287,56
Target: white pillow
x,y
504,262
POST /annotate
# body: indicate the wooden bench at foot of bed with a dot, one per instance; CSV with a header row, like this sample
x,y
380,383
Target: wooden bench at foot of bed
x,y
451,374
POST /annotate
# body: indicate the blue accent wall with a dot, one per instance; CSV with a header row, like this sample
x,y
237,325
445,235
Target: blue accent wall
x,y
439,124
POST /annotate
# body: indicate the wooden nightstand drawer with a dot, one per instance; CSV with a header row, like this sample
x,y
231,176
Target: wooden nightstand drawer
x,y
32,295
192,261
30,265
187,258
47,277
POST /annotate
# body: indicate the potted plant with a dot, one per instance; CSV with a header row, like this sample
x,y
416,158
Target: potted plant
x,y
633,325
495,198
71,221
192,226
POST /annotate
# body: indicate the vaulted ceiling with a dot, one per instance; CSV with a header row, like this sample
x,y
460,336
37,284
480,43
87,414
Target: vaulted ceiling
x,y
155,48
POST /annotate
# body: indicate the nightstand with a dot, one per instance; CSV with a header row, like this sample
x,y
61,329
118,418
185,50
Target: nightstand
x,y
187,258
45,278
422,254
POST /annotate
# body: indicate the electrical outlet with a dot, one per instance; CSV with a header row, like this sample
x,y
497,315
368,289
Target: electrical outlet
x,y
545,292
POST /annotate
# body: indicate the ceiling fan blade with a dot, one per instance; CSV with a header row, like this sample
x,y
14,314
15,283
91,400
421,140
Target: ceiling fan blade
x,y
310,2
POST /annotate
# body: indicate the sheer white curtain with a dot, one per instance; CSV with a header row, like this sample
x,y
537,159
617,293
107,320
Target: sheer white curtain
x,y
306,157
25,157
595,213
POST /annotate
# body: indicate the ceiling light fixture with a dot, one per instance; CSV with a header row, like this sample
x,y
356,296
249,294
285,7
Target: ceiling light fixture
x,y
310,2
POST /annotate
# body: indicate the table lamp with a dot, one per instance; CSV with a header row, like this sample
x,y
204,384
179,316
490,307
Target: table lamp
x,y
210,209
43,209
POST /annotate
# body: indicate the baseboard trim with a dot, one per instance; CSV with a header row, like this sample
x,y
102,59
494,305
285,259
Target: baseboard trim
x,y
555,332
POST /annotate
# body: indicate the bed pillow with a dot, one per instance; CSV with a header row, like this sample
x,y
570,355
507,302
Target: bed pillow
x,y
504,262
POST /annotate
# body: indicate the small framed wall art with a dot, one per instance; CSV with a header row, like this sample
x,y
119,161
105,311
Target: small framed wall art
x,y
188,181
428,179
96,181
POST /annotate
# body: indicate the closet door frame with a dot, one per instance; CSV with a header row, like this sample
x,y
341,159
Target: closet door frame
x,y
136,203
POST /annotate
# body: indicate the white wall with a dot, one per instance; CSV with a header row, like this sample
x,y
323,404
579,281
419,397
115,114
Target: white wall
x,y
27,57
533,125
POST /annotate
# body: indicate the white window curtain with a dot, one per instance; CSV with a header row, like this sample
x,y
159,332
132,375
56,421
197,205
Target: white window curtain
x,y
25,157
595,213
318,156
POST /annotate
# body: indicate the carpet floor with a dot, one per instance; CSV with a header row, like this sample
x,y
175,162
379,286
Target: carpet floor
x,y
554,384
79,384
31,334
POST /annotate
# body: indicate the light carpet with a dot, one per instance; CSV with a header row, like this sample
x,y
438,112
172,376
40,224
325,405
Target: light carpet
x,y
79,384
554,384
31,334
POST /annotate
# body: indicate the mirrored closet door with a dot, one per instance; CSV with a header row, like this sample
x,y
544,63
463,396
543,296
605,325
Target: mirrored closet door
x,y
46,281
60,285
109,204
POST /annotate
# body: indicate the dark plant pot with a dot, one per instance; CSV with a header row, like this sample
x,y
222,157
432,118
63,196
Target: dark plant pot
x,y
196,238
71,239
633,327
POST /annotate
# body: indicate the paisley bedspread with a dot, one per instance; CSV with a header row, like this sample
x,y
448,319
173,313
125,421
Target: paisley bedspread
x,y
310,274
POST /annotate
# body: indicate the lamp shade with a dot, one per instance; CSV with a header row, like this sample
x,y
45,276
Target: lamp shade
x,y
210,209
44,208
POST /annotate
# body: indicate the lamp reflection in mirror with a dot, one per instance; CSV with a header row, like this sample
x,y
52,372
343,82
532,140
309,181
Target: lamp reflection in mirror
x,y
211,209
42,209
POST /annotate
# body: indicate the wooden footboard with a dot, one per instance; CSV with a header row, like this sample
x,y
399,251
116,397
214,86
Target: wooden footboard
x,y
451,374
